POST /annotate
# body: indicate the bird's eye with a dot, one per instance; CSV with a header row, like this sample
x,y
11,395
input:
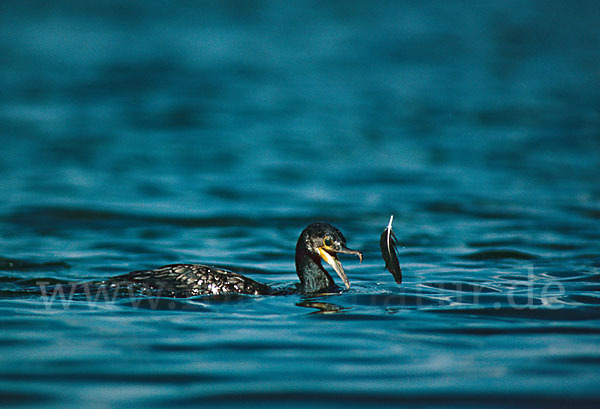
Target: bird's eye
x,y
327,241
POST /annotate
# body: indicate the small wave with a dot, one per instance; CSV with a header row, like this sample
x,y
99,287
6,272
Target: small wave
x,y
585,299
11,264
357,398
461,287
528,310
392,300
161,304
25,398
51,218
499,254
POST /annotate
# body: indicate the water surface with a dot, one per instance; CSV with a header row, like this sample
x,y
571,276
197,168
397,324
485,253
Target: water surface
x,y
136,135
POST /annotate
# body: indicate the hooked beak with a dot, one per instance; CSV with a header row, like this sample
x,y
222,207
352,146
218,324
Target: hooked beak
x,y
329,254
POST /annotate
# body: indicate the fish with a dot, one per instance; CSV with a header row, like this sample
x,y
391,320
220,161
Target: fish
x,y
389,250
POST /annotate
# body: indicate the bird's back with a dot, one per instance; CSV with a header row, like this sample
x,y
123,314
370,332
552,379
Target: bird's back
x,y
187,280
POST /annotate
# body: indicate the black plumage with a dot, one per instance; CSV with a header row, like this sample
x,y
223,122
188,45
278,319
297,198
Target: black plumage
x,y
319,241
389,250
188,280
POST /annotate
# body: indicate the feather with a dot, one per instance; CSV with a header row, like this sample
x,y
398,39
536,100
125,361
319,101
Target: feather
x,y
389,250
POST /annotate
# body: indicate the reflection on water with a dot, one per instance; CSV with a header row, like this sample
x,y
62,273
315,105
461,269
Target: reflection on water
x,y
136,135
322,307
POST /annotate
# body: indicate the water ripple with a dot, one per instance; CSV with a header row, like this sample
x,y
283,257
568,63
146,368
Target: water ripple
x,y
499,254
10,264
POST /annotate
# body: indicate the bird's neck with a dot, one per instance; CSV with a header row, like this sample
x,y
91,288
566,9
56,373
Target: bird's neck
x,y
313,277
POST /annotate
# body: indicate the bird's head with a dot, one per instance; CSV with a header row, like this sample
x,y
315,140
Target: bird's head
x,y
323,241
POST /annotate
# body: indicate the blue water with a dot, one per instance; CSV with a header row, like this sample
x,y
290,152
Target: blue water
x,y
142,133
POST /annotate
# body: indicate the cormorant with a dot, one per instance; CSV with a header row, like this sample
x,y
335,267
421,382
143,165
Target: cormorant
x,y
317,241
